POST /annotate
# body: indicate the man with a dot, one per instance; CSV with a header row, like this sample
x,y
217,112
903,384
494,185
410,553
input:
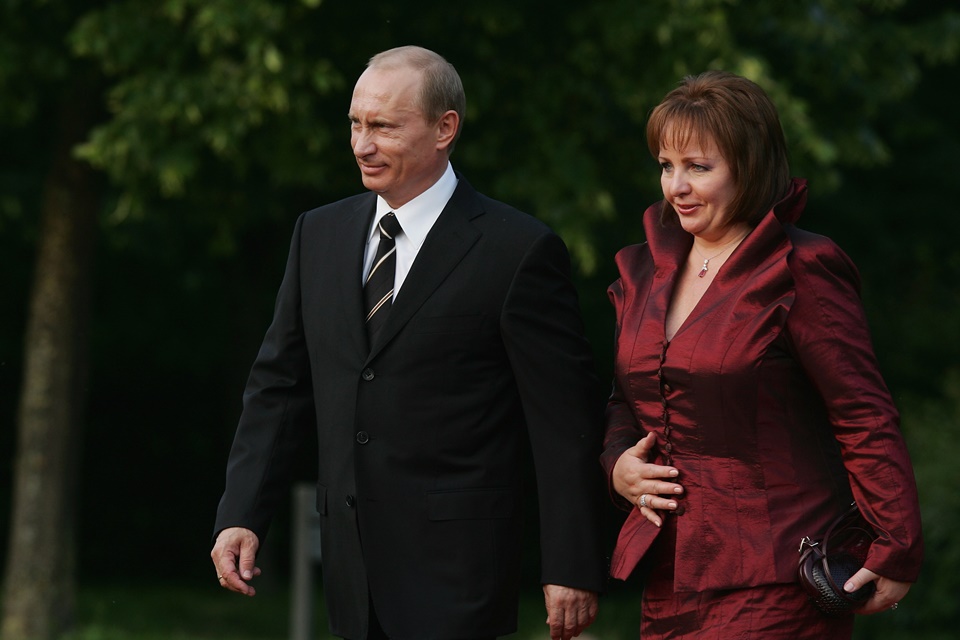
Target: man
x,y
475,355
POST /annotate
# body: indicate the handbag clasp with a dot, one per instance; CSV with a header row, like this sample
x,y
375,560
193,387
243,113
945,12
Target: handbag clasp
x,y
805,541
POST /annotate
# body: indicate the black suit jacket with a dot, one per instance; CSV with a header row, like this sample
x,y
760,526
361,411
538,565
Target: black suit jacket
x,y
424,434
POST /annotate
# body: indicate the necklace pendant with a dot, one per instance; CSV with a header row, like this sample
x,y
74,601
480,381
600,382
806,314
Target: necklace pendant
x,y
703,269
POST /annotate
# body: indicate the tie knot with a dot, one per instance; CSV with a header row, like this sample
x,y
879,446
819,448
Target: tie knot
x,y
389,226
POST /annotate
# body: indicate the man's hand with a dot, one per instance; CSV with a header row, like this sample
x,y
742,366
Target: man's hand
x,y
642,483
234,555
569,610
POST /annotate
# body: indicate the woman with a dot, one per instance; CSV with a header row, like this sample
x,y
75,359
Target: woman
x,y
748,410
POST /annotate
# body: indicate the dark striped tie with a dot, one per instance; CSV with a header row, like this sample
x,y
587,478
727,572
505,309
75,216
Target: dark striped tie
x,y
378,289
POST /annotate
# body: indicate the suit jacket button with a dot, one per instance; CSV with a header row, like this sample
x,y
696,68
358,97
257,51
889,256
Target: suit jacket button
x,y
367,374
351,501
363,437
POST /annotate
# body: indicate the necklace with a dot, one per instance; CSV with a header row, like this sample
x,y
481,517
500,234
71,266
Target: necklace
x,y
706,261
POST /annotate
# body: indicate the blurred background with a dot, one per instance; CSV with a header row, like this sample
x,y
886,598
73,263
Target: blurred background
x,y
155,155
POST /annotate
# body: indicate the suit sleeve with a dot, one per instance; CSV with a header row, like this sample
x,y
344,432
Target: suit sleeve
x,y
562,403
277,414
831,339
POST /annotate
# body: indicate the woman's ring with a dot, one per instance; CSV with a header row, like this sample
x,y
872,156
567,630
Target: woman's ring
x,y
643,500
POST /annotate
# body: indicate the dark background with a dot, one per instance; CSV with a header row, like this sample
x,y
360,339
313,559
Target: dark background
x,y
195,224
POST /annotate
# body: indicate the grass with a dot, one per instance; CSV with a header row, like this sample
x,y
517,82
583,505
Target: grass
x,y
208,613
201,613
178,613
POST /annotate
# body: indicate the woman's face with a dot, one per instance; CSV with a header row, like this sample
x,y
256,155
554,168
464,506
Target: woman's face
x,y
698,182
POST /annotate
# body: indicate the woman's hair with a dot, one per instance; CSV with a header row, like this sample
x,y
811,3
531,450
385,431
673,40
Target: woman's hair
x,y
441,89
742,121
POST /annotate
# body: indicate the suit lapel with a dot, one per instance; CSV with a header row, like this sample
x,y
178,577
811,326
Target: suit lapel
x,y
448,241
349,241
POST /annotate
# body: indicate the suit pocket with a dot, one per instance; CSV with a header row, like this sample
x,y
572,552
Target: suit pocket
x,y
321,500
472,504
448,324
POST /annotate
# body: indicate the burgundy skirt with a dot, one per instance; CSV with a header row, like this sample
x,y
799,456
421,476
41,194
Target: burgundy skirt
x,y
767,612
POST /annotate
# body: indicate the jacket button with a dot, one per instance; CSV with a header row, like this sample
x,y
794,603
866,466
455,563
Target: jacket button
x,y
667,388
367,374
363,437
351,501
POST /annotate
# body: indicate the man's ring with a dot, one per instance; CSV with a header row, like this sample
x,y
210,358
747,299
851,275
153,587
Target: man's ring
x,y
220,577
643,500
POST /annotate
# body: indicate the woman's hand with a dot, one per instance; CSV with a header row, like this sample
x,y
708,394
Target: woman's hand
x,y
642,483
888,594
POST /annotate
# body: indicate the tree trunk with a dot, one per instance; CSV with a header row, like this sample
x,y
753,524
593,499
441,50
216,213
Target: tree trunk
x,y
40,581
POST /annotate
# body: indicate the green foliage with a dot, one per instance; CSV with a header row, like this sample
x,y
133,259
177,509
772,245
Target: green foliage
x,y
234,84
32,60
893,222
243,86
932,429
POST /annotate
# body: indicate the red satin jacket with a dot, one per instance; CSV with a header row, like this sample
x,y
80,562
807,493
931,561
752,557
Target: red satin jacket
x,y
778,415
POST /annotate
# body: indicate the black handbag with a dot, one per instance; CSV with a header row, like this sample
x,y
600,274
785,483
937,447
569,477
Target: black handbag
x,y
827,564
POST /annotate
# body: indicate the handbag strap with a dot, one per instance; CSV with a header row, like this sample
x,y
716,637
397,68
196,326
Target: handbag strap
x,y
849,517
850,522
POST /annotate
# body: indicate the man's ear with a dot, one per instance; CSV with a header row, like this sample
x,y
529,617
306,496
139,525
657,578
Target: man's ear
x,y
447,129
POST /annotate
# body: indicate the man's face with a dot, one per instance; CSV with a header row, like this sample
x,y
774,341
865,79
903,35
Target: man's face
x,y
400,154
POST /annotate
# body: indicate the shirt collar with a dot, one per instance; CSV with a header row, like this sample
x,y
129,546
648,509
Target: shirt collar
x,y
417,216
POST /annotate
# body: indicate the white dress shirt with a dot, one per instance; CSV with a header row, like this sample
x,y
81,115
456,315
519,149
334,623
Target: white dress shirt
x,y
416,219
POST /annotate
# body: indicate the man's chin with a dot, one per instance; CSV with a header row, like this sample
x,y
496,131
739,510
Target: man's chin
x,y
374,183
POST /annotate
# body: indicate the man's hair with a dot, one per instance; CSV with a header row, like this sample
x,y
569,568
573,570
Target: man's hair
x,y
743,122
441,89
